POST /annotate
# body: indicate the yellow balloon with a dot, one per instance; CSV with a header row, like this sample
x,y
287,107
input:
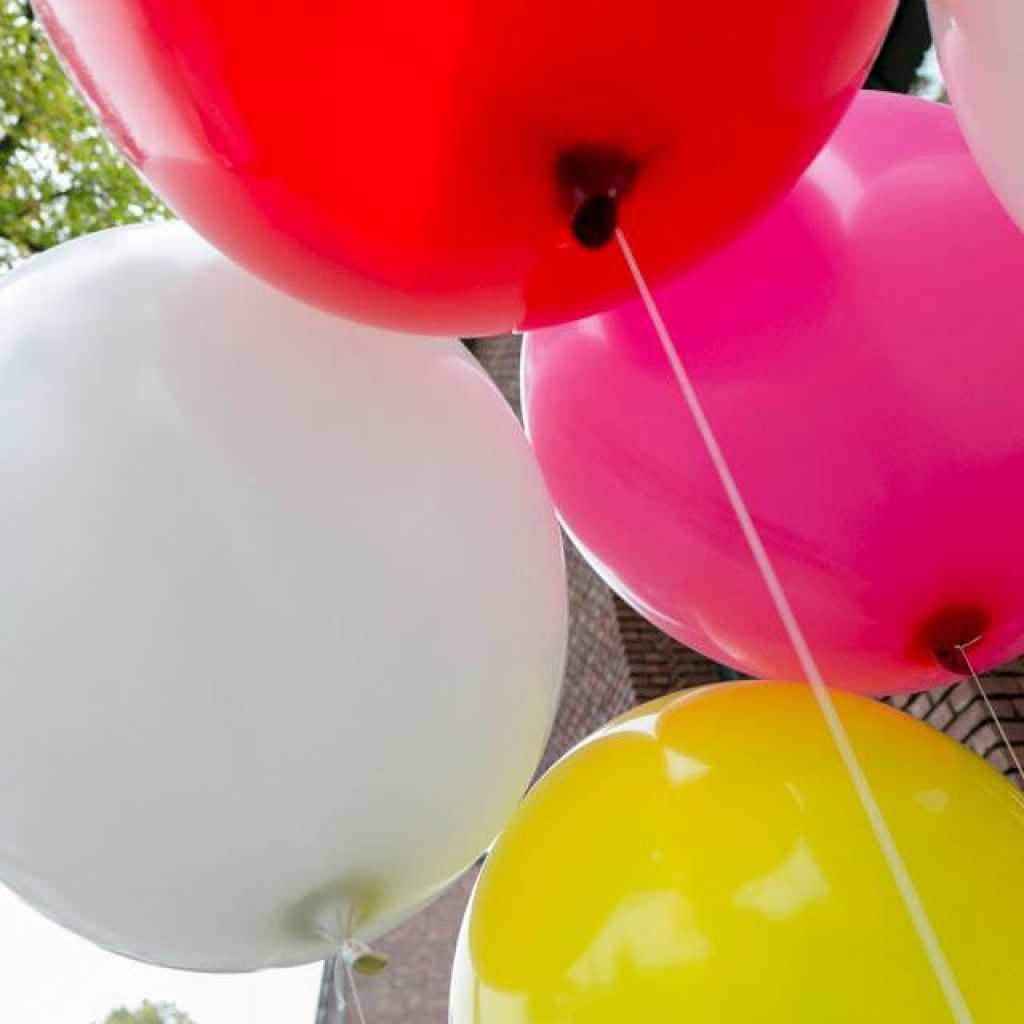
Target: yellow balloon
x,y
706,861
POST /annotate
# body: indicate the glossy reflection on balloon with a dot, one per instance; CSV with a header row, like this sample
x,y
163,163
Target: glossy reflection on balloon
x,y
858,354
706,859
418,164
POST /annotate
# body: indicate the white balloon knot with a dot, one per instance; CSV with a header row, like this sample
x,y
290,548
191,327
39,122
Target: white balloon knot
x,y
361,958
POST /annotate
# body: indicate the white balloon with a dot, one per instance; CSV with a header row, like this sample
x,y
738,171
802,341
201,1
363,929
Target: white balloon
x,y
282,608
981,51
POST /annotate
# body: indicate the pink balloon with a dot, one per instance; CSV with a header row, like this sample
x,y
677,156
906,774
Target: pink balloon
x,y
860,353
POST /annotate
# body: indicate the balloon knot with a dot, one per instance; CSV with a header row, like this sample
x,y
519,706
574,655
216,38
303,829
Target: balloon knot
x,y
593,178
595,221
949,632
354,957
361,958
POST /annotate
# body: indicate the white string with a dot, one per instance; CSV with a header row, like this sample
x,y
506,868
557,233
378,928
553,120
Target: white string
x,y
350,974
1010,749
352,955
901,876
340,985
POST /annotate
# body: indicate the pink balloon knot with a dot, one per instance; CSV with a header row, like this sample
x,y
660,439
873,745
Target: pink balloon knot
x,y
949,631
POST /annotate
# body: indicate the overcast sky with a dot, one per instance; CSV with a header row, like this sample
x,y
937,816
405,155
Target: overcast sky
x,y
49,976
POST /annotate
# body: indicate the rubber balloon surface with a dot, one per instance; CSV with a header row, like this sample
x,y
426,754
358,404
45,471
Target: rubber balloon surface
x,y
423,165
282,602
707,860
981,51
858,354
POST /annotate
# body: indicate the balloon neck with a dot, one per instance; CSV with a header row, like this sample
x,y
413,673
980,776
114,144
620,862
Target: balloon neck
x,y
353,957
951,632
361,958
592,180
595,221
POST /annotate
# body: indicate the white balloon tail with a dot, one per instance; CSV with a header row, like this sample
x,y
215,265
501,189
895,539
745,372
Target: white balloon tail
x,y
944,974
353,957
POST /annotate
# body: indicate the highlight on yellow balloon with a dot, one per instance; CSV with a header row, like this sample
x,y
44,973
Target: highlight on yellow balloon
x,y
707,861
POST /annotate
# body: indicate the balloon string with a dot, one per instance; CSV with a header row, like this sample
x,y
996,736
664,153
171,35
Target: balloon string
x,y
352,957
339,981
901,876
340,993
1010,749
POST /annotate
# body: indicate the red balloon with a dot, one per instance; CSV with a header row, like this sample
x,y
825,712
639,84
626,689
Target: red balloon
x,y
425,164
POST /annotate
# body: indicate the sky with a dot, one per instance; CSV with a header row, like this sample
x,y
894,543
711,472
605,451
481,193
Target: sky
x,y
50,976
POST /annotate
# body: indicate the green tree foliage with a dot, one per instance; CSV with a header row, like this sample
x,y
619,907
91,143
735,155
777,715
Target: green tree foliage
x,y
59,177
149,1013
